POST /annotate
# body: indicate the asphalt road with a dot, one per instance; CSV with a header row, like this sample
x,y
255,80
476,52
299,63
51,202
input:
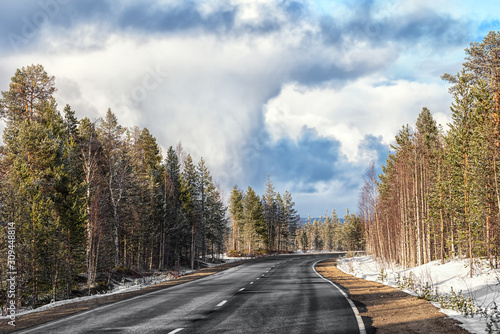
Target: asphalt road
x,y
281,294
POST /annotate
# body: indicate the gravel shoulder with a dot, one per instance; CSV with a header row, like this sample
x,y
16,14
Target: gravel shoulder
x,y
388,310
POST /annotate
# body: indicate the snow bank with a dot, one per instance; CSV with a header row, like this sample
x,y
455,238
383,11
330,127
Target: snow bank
x,y
483,288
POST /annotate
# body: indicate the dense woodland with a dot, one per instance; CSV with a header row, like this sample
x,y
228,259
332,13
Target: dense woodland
x,y
331,234
438,196
262,223
270,222
88,197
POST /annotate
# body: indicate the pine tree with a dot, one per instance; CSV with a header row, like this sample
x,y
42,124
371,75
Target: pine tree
x,y
35,149
116,171
353,232
205,187
459,141
236,213
483,64
87,198
290,220
71,199
216,220
173,219
30,88
438,195
189,197
270,207
255,227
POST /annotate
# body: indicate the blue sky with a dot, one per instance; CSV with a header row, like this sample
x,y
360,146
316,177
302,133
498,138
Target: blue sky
x,y
306,91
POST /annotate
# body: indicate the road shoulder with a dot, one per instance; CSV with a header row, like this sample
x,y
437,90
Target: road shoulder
x,y
388,310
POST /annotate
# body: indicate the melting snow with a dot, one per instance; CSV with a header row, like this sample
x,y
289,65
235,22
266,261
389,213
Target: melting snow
x,y
483,287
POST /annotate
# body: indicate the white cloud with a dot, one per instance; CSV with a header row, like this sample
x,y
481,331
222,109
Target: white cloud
x,y
334,195
215,88
368,106
206,90
201,89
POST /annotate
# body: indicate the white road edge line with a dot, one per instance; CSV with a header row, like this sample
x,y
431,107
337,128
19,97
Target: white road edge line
x,y
221,303
361,325
175,331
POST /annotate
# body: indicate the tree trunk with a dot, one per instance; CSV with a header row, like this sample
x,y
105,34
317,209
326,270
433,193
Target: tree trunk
x,y
192,246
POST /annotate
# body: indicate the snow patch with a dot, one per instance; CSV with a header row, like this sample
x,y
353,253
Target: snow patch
x,y
483,288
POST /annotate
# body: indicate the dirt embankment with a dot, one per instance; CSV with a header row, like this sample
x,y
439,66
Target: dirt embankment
x,y
388,310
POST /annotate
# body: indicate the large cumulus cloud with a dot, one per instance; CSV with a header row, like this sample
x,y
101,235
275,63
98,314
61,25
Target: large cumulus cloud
x,y
307,91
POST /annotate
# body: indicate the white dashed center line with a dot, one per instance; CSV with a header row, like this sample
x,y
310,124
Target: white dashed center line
x,y
221,303
175,331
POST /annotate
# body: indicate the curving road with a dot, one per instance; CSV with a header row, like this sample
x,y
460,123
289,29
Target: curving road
x,y
281,294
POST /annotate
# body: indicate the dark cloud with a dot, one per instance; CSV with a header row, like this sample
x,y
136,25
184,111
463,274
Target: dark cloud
x,y
331,34
358,34
427,26
21,22
183,17
16,24
374,145
307,162
294,9
147,16
424,25
317,57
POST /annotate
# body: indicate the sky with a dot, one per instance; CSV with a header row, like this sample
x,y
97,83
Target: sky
x,y
307,92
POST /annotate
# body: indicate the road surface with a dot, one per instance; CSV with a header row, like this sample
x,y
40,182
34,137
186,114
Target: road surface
x,y
280,294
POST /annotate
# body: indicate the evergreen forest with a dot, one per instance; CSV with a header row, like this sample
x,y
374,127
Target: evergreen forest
x,y
331,234
88,198
438,195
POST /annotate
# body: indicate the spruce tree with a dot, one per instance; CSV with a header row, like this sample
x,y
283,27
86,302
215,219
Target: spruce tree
x,y
189,197
116,171
255,226
270,207
290,219
42,178
236,213
173,218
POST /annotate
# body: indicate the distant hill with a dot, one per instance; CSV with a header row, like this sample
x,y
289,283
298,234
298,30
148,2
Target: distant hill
x,y
303,221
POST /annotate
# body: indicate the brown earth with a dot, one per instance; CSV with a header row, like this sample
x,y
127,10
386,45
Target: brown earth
x,y
33,319
388,310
